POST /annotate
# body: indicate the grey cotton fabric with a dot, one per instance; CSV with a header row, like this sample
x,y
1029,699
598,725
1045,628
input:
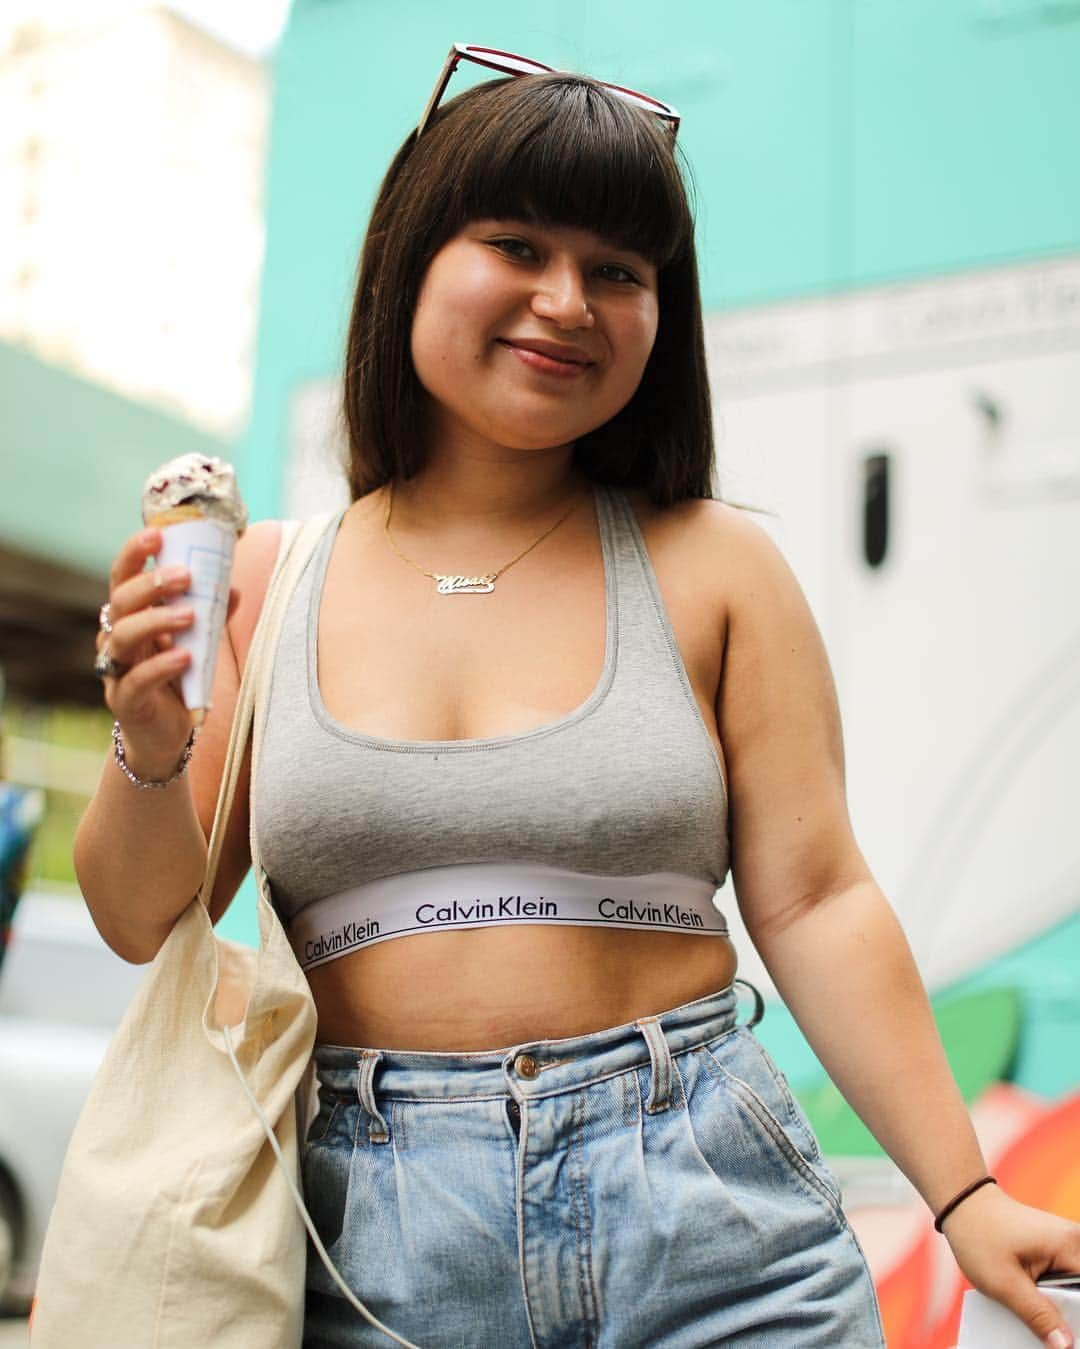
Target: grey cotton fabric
x,y
626,784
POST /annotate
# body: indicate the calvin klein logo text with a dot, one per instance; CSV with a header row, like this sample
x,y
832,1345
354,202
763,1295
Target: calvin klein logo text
x,y
630,912
340,939
509,906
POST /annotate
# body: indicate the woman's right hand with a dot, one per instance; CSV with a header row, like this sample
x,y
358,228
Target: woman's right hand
x,y
145,698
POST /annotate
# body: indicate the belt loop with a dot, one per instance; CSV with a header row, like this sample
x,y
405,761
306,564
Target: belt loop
x,y
759,1003
365,1089
662,1067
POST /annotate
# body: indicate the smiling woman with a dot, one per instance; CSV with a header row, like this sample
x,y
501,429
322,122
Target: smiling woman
x,y
548,822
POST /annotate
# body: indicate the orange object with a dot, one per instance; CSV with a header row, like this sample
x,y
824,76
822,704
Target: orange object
x,y
903,1294
1043,1166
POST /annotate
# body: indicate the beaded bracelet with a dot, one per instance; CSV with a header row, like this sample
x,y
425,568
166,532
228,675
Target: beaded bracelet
x,y
959,1199
121,762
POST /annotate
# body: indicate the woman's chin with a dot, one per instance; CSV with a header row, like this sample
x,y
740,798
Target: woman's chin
x,y
530,435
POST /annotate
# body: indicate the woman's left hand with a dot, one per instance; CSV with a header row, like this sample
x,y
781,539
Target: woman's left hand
x,y
1003,1246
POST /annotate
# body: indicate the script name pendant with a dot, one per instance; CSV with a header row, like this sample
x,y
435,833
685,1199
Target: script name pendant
x,y
465,585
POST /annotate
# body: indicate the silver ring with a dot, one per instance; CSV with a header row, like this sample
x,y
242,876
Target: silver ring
x,y
105,619
105,667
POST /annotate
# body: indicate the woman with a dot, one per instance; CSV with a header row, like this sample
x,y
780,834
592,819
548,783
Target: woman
x,y
494,804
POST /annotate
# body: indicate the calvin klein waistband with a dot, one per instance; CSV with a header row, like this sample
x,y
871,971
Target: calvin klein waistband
x,y
445,899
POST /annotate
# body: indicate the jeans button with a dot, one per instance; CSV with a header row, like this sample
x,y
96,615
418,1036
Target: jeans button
x,y
526,1066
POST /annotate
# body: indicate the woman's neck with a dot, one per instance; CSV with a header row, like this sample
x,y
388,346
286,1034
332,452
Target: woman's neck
x,y
489,491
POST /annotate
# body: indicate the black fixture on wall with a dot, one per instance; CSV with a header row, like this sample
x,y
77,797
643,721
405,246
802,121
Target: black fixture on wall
x,y
875,530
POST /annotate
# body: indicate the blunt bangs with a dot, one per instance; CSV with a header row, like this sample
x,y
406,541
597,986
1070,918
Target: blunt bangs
x,y
562,150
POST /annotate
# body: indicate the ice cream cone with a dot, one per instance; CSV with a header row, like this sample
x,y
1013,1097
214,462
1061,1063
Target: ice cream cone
x,y
175,515
195,502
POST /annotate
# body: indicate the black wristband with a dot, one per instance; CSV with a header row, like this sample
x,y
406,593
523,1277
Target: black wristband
x,y
959,1199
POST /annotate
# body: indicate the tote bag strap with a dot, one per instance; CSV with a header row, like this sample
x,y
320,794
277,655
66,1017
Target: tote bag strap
x,y
298,542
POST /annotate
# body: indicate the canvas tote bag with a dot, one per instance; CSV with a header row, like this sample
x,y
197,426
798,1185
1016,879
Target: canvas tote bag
x,y
178,1221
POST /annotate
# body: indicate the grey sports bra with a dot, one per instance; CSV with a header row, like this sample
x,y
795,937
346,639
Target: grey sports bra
x,y
627,787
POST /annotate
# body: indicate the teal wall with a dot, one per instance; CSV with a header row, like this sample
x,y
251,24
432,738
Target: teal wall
x,y
833,144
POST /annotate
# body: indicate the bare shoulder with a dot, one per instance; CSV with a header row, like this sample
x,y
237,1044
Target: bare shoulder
x,y
704,517
253,564
723,547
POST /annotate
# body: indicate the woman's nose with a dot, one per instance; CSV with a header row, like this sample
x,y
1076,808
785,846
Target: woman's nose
x,y
561,298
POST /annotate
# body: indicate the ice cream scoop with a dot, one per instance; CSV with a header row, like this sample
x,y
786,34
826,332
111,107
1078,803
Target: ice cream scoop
x,y
195,502
194,483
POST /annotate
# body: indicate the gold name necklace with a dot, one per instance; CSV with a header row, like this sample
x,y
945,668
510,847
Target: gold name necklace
x,y
467,585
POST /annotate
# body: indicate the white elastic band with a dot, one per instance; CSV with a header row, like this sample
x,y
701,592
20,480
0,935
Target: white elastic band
x,y
444,899
299,1202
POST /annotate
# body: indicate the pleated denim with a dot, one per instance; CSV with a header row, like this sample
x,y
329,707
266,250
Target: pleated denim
x,y
648,1186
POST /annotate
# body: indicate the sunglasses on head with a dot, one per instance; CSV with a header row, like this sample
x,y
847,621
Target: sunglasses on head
x,y
506,63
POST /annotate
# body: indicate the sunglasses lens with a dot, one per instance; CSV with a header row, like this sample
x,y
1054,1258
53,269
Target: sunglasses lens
x,y
507,61
652,105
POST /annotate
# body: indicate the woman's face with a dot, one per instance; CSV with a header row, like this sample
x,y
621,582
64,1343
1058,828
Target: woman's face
x,y
527,336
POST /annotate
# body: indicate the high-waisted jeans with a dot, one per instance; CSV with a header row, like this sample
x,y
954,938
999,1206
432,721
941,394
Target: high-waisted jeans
x,y
649,1186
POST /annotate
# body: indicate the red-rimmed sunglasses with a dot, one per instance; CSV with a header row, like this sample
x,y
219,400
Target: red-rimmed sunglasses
x,y
506,63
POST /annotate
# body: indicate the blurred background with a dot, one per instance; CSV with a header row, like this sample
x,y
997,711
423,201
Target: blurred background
x,y
889,230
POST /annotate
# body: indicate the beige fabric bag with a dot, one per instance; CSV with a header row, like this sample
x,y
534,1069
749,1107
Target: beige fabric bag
x,y
178,1221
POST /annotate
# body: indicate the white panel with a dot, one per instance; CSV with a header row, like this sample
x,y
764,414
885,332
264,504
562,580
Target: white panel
x,y
315,474
963,711
957,661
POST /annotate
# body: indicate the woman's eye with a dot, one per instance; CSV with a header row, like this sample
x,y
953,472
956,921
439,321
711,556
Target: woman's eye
x,y
612,271
515,248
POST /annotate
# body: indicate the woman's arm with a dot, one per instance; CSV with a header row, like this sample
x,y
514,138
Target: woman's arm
x,y
140,856
829,937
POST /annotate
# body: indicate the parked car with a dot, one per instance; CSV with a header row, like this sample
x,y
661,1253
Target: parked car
x,y
62,994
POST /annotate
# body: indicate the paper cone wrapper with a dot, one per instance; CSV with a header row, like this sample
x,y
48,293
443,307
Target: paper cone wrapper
x,y
205,547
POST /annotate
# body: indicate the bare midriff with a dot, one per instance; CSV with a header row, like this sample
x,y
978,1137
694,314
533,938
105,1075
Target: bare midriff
x,y
490,988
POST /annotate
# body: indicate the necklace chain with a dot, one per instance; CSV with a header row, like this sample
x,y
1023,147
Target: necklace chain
x,y
467,585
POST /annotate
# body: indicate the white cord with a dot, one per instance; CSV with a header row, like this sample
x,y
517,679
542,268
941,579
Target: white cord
x,y
298,1201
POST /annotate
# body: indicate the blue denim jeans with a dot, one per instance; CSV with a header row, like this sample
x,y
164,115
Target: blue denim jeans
x,y
652,1184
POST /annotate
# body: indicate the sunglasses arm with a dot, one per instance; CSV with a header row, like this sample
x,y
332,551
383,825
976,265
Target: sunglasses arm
x,y
448,69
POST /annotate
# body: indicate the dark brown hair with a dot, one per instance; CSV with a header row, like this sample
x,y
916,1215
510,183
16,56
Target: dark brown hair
x,y
553,150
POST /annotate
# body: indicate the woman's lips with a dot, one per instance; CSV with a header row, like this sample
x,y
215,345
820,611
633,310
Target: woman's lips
x,y
563,367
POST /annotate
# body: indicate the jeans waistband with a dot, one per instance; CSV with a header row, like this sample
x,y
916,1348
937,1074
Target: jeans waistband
x,y
533,1068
